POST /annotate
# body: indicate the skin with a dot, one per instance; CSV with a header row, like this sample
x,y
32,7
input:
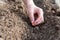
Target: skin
x,y
32,10
35,13
58,4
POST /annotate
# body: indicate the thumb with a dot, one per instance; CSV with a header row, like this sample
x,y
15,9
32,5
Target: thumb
x,y
31,17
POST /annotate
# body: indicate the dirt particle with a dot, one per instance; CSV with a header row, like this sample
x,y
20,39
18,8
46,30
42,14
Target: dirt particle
x,y
57,28
0,36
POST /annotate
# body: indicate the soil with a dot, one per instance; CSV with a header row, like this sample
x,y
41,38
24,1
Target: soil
x,y
15,24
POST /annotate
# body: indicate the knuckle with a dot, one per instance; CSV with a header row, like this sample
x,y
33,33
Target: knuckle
x,y
41,9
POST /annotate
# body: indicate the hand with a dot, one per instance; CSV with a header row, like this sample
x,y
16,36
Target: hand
x,y
35,14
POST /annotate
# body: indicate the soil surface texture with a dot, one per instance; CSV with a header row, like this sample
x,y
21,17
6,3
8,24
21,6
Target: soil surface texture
x,y
15,24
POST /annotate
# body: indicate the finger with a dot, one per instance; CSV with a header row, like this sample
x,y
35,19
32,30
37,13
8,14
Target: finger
x,y
40,18
31,16
40,12
39,21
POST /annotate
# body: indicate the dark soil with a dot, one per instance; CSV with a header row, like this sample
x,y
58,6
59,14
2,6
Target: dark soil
x,y
15,24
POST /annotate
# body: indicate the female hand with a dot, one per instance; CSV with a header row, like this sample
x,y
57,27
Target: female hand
x,y
35,14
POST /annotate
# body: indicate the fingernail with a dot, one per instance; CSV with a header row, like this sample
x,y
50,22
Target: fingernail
x,y
33,24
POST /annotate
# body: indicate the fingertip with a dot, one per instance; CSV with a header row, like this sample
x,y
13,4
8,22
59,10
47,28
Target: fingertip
x,y
38,21
33,24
